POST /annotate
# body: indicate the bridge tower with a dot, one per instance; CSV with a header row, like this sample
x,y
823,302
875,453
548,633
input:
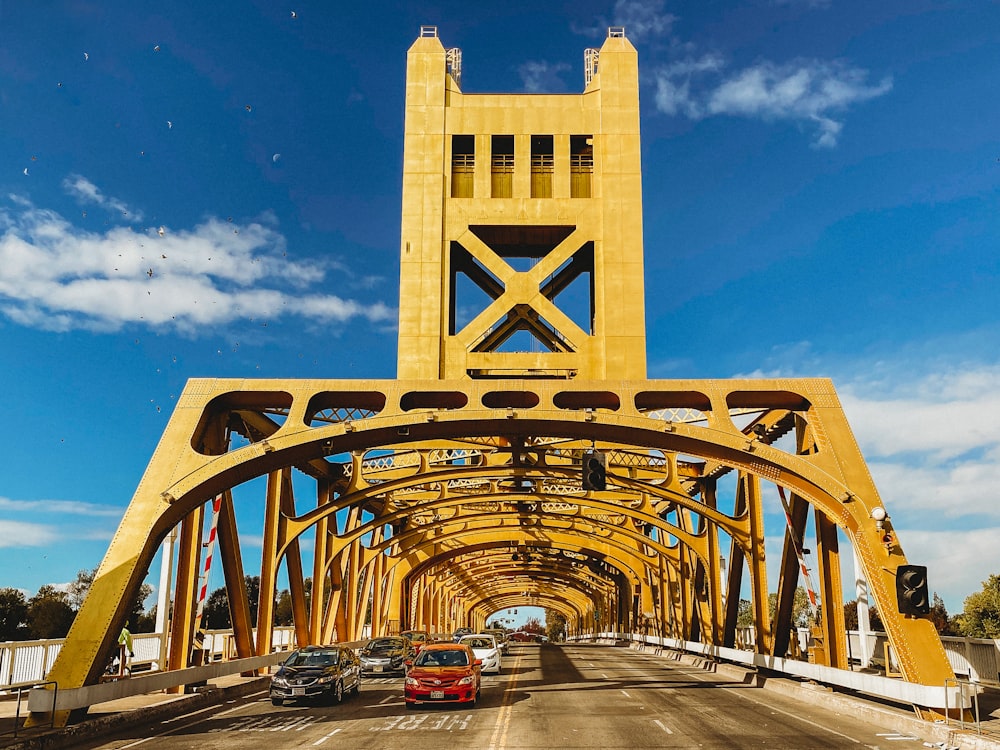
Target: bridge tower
x,y
520,202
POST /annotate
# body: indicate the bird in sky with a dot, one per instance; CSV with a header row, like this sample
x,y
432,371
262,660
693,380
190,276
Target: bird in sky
x,y
149,273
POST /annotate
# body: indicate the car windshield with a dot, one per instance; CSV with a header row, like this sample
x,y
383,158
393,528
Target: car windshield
x,y
478,642
313,659
443,658
383,644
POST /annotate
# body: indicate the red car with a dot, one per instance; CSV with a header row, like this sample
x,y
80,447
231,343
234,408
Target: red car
x,y
443,673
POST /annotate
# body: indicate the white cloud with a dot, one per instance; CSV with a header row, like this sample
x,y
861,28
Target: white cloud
x,y
806,91
61,507
25,534
60,277
930,437
643,19
540,76
88,193
957,561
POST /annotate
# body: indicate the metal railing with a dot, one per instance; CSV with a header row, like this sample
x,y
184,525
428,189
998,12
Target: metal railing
x,y
22,690
968,693
28,662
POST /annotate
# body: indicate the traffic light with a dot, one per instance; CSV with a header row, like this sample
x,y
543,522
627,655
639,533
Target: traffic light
x,y
594,471
911,590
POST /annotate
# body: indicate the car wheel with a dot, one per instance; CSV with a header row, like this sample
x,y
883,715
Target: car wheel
x,y
356,690
276,701
338,692
410,706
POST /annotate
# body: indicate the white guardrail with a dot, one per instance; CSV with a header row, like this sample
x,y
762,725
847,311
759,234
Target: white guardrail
x,y
23,662
974,659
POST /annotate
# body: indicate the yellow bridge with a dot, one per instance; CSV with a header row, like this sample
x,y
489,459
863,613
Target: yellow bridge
x,y
522,456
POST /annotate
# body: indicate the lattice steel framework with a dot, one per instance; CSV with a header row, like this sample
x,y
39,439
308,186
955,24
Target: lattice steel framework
x,y
438,499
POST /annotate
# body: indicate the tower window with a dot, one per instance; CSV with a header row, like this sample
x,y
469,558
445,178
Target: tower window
x,y
581,165
463,165
541,166
502,167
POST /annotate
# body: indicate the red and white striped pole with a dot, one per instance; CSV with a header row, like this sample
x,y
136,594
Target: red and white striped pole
x,y
210,549
797,544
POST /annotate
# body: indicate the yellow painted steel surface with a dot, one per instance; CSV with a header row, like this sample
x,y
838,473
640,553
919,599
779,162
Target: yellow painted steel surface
x,y
443,497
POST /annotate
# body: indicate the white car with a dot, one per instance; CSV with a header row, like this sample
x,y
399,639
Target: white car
x,y
485,647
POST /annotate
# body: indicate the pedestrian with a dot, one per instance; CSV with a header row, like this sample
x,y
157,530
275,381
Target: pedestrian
x,y
125,647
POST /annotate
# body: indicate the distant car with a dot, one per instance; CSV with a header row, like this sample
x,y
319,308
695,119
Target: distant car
x,y
417,637
386,655
460,632
485,647
500,636
319,672
443,673
522,637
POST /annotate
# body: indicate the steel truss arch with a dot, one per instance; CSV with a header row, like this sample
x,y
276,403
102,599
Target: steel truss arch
x,y
194,463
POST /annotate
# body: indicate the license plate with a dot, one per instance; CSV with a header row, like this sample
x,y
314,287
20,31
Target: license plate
x,y
437,694
378,668
298,691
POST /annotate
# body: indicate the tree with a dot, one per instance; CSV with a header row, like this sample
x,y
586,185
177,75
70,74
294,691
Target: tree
x,y
851,617
283,608
533,625
744,614
981,616
49,614
939,616
555,625
13,615
215,615
801,611
77,591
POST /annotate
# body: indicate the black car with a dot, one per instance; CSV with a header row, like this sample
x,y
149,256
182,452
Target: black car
x,y
320,672
386,655
460,632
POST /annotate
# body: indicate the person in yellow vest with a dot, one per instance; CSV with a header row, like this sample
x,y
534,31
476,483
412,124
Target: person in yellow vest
x,y
125,652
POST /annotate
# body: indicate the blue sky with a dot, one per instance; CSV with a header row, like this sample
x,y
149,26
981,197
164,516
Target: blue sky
x,y
199,190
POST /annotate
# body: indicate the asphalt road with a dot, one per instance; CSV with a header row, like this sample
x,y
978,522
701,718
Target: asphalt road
x,y
550,696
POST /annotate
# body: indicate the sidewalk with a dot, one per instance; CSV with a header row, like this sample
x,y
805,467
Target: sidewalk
x,y
118,713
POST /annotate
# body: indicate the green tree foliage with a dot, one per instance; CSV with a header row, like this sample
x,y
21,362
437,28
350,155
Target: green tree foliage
x,y
981,616
13,615
555,625
801,613
49,614
744,614
215,615
283,608
138,621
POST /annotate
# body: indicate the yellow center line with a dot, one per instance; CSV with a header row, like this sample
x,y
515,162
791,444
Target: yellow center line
x,y
499,739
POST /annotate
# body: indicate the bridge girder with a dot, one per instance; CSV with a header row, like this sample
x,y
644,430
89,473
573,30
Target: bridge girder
x,y
427,470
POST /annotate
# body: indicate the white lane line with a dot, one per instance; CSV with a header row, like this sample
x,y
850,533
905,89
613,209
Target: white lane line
x,y
321,740
626,694
794,716
605,676
662,726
